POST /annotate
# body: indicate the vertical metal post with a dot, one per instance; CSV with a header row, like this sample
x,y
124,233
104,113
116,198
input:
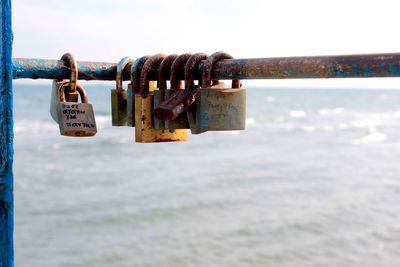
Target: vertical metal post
x,y
6,138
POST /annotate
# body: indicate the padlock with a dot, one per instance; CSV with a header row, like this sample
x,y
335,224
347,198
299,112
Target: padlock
x,y
119,96
172,109
159,95
76,119
144,129
71,95
55,97
181,121
193,89
134,87
216,108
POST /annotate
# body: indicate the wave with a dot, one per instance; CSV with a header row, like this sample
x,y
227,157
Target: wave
x,y
334,111
250,121
100,119
299,120
47,126
373,136
365,123
297,113
34,126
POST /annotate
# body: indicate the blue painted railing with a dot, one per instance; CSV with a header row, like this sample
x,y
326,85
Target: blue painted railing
x,y
348,66
6,139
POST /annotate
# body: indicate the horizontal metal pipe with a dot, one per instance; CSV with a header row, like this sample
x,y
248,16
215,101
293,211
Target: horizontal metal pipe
x,y
348,66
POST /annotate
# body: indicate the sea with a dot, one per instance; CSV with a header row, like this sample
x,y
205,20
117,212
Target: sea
x,y
314,180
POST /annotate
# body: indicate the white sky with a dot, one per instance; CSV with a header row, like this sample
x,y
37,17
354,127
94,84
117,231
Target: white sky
x,y
100,30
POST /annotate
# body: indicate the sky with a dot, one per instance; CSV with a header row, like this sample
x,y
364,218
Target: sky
x,y
105,30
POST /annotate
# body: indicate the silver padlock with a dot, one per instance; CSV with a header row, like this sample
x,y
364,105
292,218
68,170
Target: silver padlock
x,y
119,96
76,119
217,108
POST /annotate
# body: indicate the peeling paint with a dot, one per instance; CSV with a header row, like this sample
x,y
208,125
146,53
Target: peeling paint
x,y
349,66
6,140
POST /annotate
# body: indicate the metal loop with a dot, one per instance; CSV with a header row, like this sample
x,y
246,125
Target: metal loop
x,y
136,70
175,69
120,69
73,66
208,68
190,66
165,71
152,63
79,88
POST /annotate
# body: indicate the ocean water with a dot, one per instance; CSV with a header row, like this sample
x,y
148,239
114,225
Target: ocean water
x,y
313,181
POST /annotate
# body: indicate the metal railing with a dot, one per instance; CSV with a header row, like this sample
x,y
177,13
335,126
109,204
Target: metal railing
x,y
349,66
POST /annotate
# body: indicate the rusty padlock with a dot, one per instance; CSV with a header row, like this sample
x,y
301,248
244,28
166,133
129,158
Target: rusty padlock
x,y
181,121
119,96
144,130
76,119
218,108
71,95
160,94
190,67
133,88
172,109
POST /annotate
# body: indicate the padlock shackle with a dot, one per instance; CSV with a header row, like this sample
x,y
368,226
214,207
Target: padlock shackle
x,y
120,69
73,66
165,71
208,68
136,70
79,88
152,63
190,65
175,68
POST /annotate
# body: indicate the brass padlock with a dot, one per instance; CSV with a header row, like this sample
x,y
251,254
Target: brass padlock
x,y
134,87
76,119
159,95
71,95
144,129
217,108
55,97
119,96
